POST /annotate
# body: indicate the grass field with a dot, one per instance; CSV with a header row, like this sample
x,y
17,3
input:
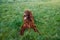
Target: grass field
x,y
46,16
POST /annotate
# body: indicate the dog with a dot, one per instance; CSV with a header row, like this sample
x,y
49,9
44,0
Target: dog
x,y
28,20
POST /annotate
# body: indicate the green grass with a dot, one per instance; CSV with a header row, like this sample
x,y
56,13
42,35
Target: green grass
x,y
46,17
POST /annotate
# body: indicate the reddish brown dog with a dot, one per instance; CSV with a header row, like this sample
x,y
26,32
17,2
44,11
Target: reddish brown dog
x,y
28,22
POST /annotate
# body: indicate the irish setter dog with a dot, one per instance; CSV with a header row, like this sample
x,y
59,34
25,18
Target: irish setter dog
x,y
28,22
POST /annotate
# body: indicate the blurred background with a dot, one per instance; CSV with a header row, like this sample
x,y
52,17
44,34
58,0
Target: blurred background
x,y
46,16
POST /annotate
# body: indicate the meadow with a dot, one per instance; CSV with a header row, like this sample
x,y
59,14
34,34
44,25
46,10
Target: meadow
x,y
46,16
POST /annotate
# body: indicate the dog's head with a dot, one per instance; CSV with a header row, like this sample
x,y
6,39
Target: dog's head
x,y
27,13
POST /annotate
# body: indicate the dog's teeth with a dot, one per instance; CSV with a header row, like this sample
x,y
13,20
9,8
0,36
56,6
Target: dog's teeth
x,y
25,18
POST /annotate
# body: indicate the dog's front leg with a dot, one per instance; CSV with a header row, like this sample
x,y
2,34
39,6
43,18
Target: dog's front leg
x,y
23,29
